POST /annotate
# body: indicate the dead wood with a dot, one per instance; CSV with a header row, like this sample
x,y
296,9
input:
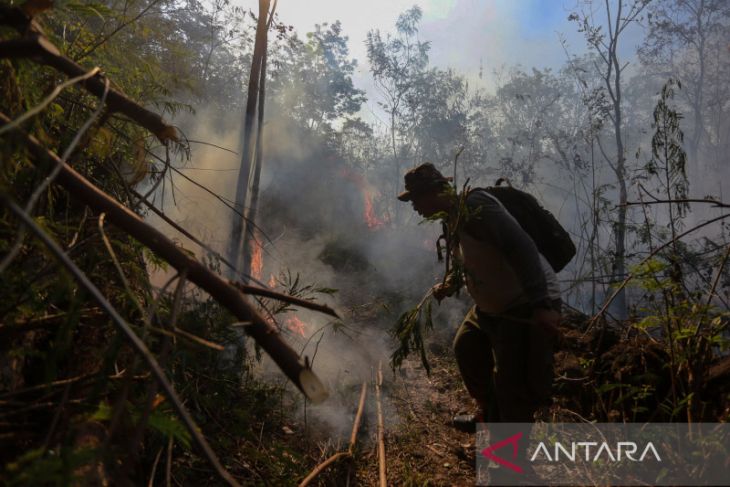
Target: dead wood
x,y
381,433
358,417
245,288
322,466
267,293
351,448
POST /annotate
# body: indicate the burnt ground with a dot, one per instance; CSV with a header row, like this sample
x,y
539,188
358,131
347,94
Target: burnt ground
x,y
422,449
601,374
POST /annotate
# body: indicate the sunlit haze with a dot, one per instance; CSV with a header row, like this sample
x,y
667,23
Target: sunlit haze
x,y
469,36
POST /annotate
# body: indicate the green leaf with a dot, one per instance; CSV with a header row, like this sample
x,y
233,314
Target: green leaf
x,y
102,413
409,332
326,290
169,425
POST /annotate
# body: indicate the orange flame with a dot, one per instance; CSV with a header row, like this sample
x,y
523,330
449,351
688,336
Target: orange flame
x,y
257,260
295,325
272,281
371,219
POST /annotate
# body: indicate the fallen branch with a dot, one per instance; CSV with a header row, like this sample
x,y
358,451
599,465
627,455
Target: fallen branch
x,y
36,46
381,433
358,417
322,466
715,203
245,288
227,295
268,293
350,450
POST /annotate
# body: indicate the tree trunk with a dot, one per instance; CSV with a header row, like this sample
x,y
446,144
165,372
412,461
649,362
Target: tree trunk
x,y
235,247
697,129
620,229
249,238
396,165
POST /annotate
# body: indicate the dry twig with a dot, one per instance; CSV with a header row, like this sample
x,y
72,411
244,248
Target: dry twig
x,y
351,448
381,433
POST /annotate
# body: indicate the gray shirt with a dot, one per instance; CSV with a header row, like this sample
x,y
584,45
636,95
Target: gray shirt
x,y
502,264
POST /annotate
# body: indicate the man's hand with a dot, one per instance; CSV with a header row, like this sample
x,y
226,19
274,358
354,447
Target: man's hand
x,y
548,320
441,291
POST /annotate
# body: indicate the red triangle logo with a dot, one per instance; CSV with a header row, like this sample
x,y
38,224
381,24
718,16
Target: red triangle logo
x,y
488,452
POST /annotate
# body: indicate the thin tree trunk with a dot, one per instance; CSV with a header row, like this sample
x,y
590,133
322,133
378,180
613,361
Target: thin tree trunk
x,y
619,266
235,248
594,223
249,236
396,164
620,229
694,145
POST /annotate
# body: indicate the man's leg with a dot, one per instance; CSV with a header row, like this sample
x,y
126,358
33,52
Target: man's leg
x,y
540,366
511,342
474,358
523,378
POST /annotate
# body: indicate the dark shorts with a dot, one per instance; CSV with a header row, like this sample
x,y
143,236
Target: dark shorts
x,y
506,362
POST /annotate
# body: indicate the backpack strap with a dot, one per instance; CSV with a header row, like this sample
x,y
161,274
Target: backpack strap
x,y
499,181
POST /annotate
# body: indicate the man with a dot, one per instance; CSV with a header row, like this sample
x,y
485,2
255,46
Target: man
x,y
504,347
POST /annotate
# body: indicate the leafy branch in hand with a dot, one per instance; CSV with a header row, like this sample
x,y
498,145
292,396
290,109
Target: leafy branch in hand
x,y
410,327
409,332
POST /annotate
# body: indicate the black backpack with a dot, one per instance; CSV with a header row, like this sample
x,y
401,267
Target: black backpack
x,y
549,236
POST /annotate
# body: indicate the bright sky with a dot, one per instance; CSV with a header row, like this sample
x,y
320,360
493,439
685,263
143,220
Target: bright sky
x,y
462,33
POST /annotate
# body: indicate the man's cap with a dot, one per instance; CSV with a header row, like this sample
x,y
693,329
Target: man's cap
x,y
420,179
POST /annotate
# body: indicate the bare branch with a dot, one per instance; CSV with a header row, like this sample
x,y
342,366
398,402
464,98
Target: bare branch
x,y
716,204
713,287
119,269
116,30
267,293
